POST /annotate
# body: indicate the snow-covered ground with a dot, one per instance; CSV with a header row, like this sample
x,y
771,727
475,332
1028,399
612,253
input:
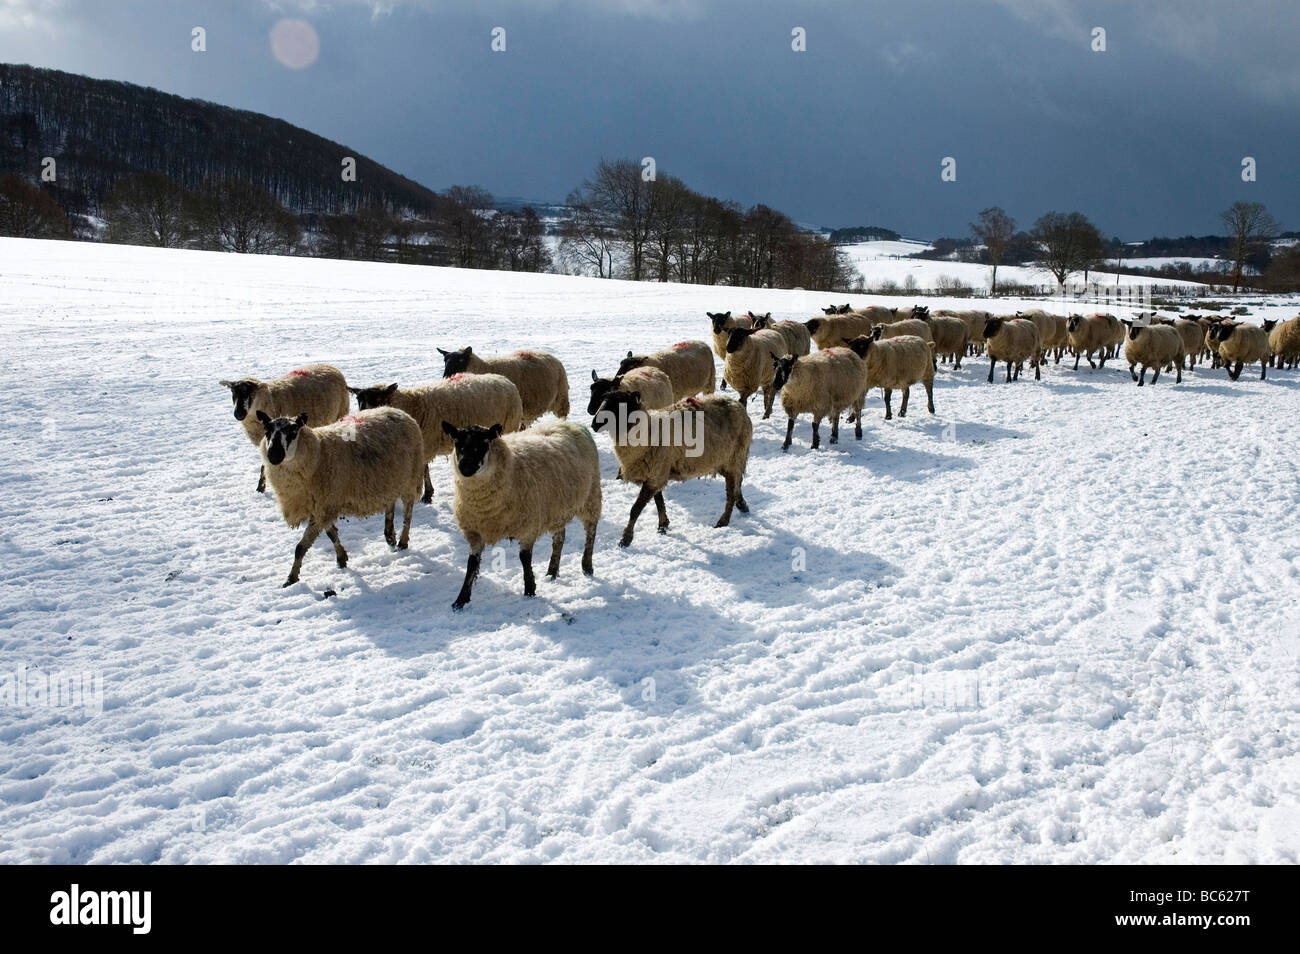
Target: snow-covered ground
x,y
880,262
1055,622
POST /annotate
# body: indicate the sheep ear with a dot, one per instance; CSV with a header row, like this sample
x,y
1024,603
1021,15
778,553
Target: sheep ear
x,y
495,431
629,354
594,375
768,315
355,390
448,429
301,420
443,353
391,389
226,384
261,416
724,315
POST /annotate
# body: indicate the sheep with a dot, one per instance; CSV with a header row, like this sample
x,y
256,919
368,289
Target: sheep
x,y
1189,329
905,326
1117,332
949,334
823,385
712,438
318,390
722,322
797,340
688,364
462,399
357,466
1212,343
1240,344
655,387
830,331
883,315
540,377
1014,341
521,485
1088,334
1152,345
749,366
896,364
1284,341
1047,330
837,309
974,321
1057,339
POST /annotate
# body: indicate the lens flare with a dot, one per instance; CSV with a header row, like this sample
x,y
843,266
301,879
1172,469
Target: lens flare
x,y
295,43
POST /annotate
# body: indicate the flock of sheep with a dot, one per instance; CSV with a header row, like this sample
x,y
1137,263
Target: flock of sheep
x,y
518,479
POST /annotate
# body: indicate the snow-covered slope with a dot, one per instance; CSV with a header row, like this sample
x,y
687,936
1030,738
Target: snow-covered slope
x,y
879,262
1055,622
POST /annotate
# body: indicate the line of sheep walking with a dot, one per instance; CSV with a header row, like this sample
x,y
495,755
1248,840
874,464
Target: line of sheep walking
x,y
517,478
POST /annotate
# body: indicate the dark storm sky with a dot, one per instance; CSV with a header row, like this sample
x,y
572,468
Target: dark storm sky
x,y
1146,138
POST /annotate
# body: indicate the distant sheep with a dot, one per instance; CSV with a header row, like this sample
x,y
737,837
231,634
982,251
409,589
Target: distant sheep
x,y
721,432
462,399
318,390
823,385
896,364
520,486
688,364
540,377
1152,345
749,363
1241,344
1014,341
355,467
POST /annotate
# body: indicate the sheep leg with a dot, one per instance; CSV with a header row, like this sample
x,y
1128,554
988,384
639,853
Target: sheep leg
x,y
308,538
663,512
1076,363
261,480
857,421
1262,371
428,486
889,411
789,434
471,574
724,384
902,410
733,492
817,437
340,554
769,395
835,428
1091,363
557,546
638,505
1155,373
408,504
390,535
1038,370
1131,372
1235,371
929,395
589,547
526,560
993,364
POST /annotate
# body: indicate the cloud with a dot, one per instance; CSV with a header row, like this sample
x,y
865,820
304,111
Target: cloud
x,y
1056,18
26,15
650,9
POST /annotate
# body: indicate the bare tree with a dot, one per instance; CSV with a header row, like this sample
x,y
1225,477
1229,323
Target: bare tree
x,y
587,237
628,202
517,238
27,212
463,218
148,209
1249,226
994,231
1068,243
232,215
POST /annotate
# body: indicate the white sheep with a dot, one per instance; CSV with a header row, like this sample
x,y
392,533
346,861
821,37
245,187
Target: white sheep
x,y
1152,345
896,364
462,399
1241,344
688,364
749,363
523,485
797,339
1088,334
355,467
318,390
540,377
1014,341
698,437
823,385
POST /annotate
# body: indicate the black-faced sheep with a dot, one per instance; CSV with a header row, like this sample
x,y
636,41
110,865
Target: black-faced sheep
x,y
540,377
317,390
749,363
462,399
831,331
1284,342
897,364
655,387
797,339
1152,345
688,364
1088,335
1241,344
1014,341
823,385
698,437
355,467
520,486
949,334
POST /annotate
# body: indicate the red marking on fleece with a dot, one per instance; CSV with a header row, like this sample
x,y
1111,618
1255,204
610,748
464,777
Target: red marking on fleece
x,y
527,354
681,345
300,373
352,419
459,376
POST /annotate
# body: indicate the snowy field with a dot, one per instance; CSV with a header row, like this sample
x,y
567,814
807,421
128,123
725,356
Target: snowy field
x,y
879,262
1056,622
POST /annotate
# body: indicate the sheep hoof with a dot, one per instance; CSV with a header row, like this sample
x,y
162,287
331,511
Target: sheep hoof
x,y
343,563
626,541
403,545
663,528
722,522
458,605
785,448
427,498
289,582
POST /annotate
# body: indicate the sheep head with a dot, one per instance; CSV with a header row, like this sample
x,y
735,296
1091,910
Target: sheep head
x,y
472,445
